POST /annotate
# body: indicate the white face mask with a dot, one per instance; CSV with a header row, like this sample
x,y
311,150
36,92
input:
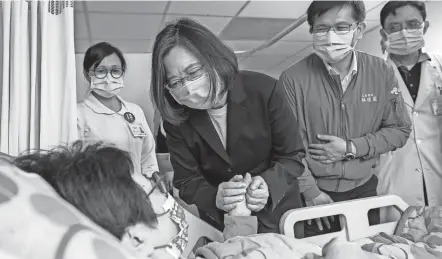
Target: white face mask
x,y
342,46
195,94
404,42
107,88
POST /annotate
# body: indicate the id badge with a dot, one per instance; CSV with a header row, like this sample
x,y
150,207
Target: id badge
x,y
436,102
137,130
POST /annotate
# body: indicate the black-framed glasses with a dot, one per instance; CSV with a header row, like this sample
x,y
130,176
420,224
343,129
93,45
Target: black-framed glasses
x,y
410,26
194,74
101,73
340,29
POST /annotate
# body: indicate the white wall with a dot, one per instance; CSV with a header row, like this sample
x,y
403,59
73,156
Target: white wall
x,y
370,43
136,82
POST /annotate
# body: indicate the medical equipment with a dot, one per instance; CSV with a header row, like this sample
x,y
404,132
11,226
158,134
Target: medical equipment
x,y
198,229
157,178
353,217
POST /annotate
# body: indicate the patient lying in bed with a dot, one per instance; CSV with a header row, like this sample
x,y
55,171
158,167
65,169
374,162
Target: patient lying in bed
x,y
97,180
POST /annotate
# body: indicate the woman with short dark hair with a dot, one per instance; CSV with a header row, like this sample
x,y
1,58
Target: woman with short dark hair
x,y
222,123
105,116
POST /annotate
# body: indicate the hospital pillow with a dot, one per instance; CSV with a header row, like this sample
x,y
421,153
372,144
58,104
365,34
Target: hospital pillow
x,y
36,223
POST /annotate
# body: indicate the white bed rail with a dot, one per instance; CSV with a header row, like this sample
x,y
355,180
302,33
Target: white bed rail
x,y
354,221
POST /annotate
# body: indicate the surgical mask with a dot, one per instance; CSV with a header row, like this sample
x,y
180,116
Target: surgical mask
x,y
194,94
404,42
107,88
332,47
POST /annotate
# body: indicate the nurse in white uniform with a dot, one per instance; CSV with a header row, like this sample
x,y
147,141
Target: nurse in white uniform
x,y
105,116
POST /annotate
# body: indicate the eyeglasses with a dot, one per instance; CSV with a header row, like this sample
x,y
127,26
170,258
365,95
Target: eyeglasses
x,y
410,26
101,73
340,29
192,75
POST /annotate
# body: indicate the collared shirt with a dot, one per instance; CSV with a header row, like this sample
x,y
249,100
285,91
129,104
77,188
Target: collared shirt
x,y
412,74
219,121
345,81
97,122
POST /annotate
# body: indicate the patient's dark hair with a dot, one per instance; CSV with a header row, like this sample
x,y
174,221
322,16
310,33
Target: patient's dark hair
x,y
97,180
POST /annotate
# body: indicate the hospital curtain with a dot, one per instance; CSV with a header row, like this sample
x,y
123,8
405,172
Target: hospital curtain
x,y
37,75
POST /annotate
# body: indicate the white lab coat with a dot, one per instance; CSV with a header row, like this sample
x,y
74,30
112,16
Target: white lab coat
x,y
401,172
97,122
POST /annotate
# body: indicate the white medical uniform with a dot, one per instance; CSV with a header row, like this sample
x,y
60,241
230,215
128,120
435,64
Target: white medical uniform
x,y
402,172
97,122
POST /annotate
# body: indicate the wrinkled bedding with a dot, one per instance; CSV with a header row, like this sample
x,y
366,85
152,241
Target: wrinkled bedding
x,y
417,236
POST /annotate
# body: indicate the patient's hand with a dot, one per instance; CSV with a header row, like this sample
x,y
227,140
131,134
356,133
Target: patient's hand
x,y
241,208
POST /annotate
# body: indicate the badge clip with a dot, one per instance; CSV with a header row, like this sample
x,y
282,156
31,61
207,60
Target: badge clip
x,y
129,117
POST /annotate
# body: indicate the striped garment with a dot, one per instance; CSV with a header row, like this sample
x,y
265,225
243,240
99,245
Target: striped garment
x,y
417,236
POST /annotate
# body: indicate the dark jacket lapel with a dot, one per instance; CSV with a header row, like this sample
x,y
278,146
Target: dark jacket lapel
x,y
236,114
200,121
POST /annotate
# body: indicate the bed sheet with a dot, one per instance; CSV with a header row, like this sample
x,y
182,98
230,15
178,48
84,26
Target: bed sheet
x,y
418,235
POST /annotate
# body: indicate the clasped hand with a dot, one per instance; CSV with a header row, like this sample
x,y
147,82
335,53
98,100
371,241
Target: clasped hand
x,y
331,152
242,195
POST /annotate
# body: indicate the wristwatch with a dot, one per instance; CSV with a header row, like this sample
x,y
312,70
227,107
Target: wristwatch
x,y
349,155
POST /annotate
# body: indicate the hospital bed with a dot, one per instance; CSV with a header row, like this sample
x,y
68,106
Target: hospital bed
x,y
354,221
199,229
353,218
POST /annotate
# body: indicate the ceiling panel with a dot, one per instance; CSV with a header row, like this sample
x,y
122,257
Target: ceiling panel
x,y
123,26
246,28
215,24
80,27
219,8
243,45
369,5
127,6
261,62
131,46
275,9
299,34
374,13
283,47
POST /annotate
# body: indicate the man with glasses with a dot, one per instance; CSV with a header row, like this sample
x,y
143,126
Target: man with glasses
x,y
348,108
413,172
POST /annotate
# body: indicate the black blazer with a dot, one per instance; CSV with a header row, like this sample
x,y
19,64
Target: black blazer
x,y
262,139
